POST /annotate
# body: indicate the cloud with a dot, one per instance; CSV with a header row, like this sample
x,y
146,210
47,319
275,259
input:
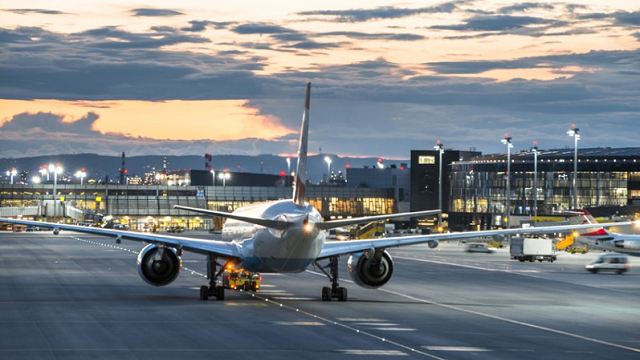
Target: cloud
x,y
624,19
628,18
112,37
197,26
523,7
260,29
477,67
49,122
36,11
79,66
378,106
285,38
498,23
110,63
381,13
155,12
45,133
290,36
374,36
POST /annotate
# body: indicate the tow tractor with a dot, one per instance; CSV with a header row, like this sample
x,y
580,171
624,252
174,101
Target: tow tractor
x,y
238,279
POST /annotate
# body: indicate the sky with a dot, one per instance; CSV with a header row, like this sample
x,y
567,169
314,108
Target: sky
x,y
195,77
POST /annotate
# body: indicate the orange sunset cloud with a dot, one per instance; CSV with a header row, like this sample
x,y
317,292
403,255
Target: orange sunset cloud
x,y
219,120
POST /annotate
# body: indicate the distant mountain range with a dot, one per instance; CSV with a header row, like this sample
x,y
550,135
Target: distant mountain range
x,y
100,166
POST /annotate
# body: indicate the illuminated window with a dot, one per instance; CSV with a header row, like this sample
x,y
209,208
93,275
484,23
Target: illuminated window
x,y
426,159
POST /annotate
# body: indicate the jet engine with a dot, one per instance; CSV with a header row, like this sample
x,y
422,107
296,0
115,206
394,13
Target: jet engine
x,y
433,244
371,270
626,244
158,265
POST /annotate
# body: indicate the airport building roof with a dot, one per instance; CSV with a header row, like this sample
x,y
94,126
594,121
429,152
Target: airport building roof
x,y
630,153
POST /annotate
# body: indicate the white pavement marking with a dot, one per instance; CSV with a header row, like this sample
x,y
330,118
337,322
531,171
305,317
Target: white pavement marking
x,y
374,352
516,322
456,348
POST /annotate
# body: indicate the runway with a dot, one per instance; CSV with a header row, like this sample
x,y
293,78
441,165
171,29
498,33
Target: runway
x,y
79,296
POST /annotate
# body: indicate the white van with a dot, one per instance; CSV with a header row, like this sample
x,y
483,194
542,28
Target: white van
x,y
610,262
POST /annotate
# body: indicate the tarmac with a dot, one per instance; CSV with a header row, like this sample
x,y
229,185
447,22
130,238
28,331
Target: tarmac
x,y
79,296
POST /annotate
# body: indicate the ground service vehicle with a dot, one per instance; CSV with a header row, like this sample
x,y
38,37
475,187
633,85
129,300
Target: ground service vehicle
x,y
530,249
609,262
479,248
237,279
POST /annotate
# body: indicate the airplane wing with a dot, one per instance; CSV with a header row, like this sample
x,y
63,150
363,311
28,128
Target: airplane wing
x,y
333,248
227,249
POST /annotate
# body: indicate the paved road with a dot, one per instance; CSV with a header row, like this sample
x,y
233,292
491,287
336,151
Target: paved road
x,y
77,296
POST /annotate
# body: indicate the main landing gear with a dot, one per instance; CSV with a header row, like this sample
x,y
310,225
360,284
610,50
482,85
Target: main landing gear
x,y
213,274
335,291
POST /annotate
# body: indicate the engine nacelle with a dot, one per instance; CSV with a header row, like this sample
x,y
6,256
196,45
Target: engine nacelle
x,y
498,237
371,270
158,265
626,244
433,244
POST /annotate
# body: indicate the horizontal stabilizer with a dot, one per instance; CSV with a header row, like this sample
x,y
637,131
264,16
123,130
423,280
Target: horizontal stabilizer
x,y
272,224
366,219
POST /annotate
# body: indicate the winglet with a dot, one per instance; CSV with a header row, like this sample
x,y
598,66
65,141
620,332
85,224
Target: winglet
x,y
300,187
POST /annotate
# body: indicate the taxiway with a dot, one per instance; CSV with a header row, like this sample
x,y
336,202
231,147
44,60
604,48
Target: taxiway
x,y
78,296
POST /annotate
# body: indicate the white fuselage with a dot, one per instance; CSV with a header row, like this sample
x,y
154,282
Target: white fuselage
x,y
267,250
622,243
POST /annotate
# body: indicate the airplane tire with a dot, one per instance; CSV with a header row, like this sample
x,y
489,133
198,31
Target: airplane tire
x,y
219,293
342,294
204,292
326,294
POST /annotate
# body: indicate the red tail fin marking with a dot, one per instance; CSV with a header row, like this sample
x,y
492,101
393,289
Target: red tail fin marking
x,y
598,232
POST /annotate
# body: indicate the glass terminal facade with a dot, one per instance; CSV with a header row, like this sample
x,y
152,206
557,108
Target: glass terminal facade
x,y
605,177
475,189
137,205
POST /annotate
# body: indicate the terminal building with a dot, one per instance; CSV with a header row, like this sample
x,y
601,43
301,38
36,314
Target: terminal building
x,y
607,182
473,190
138,206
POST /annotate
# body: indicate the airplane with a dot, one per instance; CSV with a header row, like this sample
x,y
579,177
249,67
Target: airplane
x,y
600,238
283,236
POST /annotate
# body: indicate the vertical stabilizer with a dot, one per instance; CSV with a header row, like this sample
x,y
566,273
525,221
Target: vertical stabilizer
x,y
582,217
300,186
